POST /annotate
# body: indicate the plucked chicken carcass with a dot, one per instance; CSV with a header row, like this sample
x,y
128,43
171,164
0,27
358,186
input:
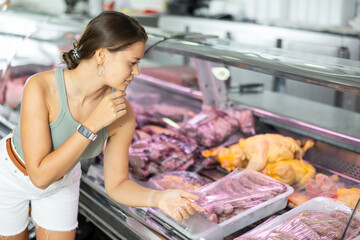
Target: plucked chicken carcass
x,y
267,148
230,158
293,172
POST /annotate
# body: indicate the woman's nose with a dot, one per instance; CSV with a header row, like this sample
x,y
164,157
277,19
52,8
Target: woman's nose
x,y
136,70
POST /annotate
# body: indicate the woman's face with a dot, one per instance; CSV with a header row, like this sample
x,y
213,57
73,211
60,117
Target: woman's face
x,y
120,67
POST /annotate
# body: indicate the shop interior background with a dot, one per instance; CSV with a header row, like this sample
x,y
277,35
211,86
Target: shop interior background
x,y
323,27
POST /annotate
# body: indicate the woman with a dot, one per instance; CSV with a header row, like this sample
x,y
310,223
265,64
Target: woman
x,y
66,115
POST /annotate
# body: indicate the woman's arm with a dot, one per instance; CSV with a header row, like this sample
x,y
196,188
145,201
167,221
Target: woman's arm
x,y
176,203
44,165
116,163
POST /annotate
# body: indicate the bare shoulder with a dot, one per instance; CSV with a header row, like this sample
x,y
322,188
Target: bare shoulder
x,y
40,81
40,84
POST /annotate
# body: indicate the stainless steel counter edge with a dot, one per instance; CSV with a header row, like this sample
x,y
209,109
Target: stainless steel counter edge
x,y
129,223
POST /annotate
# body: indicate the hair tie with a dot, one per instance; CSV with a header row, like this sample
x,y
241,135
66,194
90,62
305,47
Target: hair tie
x,y
76,54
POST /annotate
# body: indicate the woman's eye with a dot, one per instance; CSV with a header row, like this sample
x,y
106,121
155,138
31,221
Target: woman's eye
x,y
134,63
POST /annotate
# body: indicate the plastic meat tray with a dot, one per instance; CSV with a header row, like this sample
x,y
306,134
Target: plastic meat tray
x,y
197,227
322,204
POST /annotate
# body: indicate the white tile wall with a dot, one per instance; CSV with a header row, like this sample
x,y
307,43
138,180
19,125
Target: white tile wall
x,y
319,13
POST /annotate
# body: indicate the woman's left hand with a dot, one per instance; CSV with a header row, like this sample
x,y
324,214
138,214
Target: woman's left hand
x,y
177,204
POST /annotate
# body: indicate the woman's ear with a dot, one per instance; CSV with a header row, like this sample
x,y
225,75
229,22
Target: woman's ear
x,y
100,55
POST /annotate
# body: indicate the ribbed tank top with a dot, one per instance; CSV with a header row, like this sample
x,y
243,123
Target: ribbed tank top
x,y
64,125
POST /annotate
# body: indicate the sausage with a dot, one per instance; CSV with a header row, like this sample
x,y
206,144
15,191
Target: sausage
x,y
227,187
344,217
218,209
212,218
238,187
228,208
277,235
262,181
247,184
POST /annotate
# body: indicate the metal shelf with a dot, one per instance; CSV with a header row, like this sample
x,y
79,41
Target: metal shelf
x,y
336,73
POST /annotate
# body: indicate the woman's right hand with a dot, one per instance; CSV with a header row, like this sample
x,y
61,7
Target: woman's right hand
x,y
111,108
178,204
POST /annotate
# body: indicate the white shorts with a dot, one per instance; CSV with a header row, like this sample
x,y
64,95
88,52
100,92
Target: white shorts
x,y
54,208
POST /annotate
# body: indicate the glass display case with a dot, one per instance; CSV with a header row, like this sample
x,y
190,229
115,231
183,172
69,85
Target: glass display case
x,y
334,130
189,71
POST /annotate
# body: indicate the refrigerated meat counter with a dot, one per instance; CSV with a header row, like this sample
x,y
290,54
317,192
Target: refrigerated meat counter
x,y
336,148
335,131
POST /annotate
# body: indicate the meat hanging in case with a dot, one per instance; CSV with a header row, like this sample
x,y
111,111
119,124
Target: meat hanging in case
x,y
211,127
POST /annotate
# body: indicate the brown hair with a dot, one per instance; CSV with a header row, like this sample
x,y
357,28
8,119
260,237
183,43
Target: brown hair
x,y
110,29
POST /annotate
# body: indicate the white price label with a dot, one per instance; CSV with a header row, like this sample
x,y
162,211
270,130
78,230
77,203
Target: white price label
x,y
198,118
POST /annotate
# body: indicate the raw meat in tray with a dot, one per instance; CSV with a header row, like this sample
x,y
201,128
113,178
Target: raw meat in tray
x,y
237,192
319,218
231,203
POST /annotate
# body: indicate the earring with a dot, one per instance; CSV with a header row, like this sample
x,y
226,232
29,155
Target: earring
x,y
99,73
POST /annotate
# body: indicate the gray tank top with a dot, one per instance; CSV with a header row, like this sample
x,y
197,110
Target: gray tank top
x,y
64,126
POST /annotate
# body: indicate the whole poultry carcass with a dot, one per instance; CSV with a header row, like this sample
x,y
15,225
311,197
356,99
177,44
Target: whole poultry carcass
x,y
230,158
293,172
267,148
